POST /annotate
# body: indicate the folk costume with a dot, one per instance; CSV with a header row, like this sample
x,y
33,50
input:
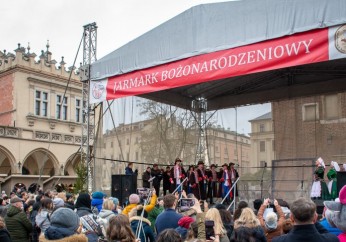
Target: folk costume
x,y
166,176
202,180
319,188
157,174
213,183
177,174
234,177
193,184
189,173
331,175
226,183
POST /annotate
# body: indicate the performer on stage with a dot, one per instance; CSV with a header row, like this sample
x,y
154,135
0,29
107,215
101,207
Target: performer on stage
x,y
234,177
193,183
226,183
332,185
157,174
146,177
189,172
213,183
177,174
166,181
202,180
319,188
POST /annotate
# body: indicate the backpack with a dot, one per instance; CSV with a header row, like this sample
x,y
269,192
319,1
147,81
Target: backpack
x,y
92,227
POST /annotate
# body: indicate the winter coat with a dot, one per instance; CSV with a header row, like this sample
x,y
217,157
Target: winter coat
x,y
18,225
83,211
153,215
43,220
72,238
147,208
270,234
105,215
146,234
5,236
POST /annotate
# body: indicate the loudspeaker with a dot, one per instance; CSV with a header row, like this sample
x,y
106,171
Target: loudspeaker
x,y
340,180
123,186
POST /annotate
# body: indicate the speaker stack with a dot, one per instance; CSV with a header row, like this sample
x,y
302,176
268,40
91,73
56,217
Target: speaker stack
x,y
123,186
340,180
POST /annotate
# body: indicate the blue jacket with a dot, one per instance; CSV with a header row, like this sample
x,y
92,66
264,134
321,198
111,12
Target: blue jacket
x,y
330,229
146,234
128,171
167,220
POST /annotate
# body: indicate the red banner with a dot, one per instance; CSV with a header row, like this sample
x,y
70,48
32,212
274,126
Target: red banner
x,y
303,48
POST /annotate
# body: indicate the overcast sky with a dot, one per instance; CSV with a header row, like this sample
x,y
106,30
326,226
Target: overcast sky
x,y
119,21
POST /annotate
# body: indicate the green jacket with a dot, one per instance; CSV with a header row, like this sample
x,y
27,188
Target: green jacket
x,y
18,225
152,215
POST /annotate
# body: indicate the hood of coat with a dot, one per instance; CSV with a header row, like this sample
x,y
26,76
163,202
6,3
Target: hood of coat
x,y
136,219
72,238
105,213
12,210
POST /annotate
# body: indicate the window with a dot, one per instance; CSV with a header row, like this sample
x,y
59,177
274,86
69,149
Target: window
x,y
310,112
112,144
216,148
78,110
262,146
41,103
59,108
331,107
273,144
262,128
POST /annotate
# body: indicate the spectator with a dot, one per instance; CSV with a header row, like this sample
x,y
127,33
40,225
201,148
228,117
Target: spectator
x,y
287,226
157,174
107,212
184,225
69,203
214,215
119,229
272,227
63,229
83,204
237,212
152,215
43,216
35,229
242,234
192,233
303,216
248,219
96,202
4,234
58,203
18,225
324,222
134,201
169,218
145,232
226,218
3,207
117,209
169,235
129,171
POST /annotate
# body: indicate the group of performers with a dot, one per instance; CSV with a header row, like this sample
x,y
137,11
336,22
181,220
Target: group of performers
x,y
205,184
322,189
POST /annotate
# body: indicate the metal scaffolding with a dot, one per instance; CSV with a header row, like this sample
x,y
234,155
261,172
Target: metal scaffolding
x,y
199,106
88,126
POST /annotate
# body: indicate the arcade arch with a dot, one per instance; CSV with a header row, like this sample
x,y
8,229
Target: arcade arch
x,y
71,163
40,162
7,162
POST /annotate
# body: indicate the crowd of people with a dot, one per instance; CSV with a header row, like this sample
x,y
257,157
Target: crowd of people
x,y
53,216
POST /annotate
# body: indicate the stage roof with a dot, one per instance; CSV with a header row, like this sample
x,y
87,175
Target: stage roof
x,y
213,28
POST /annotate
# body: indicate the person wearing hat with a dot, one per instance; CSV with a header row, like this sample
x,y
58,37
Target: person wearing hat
x,y
177,174
65,226
202,179
226,183
97,201
270,224
212,184
234,177
184,225
18,225
157,175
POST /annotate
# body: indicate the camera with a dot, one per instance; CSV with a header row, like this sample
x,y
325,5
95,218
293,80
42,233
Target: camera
x,y
143,193
187,202
209,229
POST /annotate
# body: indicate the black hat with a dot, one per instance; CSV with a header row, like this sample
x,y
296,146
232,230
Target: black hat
x,y
176,160
213,165
200,162
225,165
231,164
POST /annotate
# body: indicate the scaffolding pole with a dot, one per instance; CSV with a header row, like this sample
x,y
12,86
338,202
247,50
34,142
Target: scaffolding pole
x,y
88,126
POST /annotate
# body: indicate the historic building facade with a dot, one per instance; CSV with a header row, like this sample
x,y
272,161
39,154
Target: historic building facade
x,y
40,133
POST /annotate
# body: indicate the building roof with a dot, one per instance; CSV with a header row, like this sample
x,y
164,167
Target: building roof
x,y
263,117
